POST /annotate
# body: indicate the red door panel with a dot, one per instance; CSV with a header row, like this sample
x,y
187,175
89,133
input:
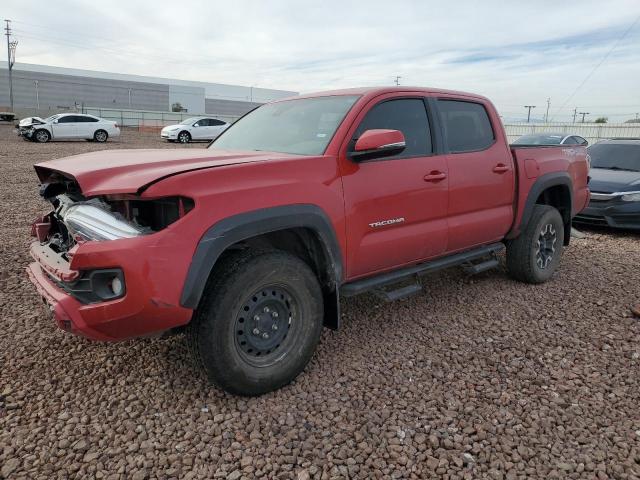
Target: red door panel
x,y
396,208
481,174
394,190
480,199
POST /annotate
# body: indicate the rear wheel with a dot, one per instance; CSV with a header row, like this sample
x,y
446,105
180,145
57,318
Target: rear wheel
x,y
100,136
535,255
258,322
42,136
184,137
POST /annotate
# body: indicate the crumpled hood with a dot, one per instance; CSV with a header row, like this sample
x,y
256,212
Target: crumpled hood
x,y
604,180
130,171
25,122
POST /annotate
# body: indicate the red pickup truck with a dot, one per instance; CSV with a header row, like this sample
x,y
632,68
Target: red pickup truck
x,y
249,244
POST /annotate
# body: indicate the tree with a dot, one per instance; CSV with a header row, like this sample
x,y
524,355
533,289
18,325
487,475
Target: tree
x,y
601,120
177,107
633,120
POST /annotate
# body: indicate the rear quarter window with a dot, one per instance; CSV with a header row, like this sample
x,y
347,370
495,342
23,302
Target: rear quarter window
x,y
467,127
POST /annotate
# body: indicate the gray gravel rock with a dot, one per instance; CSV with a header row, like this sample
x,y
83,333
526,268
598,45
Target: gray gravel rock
x,y
478,377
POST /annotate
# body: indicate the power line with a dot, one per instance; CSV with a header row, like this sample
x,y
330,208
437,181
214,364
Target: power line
x,y
599,63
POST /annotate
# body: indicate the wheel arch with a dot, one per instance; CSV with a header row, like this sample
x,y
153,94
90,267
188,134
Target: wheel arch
x,y
554,189
303,230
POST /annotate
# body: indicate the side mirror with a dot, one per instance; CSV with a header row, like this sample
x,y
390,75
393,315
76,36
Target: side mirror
x,y
55,121
196,124
378,143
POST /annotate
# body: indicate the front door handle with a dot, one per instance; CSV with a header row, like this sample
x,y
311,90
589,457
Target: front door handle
x,y
500,168
435,176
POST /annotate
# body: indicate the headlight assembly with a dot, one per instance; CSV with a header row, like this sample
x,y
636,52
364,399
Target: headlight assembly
x,y
631,197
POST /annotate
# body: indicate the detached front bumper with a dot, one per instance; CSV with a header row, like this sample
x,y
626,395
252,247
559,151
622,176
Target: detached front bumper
x,y
149,306
613,213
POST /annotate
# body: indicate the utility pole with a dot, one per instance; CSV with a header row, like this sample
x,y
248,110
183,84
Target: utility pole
x,y
35,82
583,114
575,112
130,98
11,58
397,80
546,117
529,111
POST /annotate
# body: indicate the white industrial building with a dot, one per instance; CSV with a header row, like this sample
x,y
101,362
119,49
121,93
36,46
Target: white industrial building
x,y
45,89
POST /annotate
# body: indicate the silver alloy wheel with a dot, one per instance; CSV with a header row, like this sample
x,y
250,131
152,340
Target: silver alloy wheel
x,y
183,137
546,245
100,136
42,136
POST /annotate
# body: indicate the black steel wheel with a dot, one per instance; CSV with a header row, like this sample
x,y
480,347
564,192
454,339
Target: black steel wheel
x,y
266,325
258,323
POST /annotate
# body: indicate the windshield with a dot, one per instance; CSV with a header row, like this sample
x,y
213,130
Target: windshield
x,y
301,126
538,139
189,121
615,156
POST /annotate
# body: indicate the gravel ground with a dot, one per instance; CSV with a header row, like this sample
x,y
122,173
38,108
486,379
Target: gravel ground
x,y
476,378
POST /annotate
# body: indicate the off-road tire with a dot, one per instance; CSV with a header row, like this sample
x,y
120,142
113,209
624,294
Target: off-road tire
x,y
41,136
100,136
183,137
526,260
236,292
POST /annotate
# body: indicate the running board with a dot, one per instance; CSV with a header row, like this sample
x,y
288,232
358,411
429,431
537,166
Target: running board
x,y
483,266
398,293
372,283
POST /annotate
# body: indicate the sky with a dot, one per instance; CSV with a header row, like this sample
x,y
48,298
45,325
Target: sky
x,y
579,54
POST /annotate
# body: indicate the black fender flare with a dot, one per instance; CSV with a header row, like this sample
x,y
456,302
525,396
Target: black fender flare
x,y
243,226
543,183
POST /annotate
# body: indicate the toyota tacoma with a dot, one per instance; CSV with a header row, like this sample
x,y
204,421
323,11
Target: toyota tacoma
x,y
249,244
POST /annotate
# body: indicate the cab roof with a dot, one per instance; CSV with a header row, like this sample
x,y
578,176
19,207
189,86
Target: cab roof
x,y
371,92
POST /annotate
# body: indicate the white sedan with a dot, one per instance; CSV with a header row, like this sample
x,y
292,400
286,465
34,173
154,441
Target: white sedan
x,y
194,128
65,126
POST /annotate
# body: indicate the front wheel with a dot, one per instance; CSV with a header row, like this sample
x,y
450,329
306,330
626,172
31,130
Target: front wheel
x,y
258,323
42,136
184,137
535,255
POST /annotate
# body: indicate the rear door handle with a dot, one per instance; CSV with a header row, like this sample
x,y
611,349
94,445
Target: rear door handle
x,y
435,176
500,168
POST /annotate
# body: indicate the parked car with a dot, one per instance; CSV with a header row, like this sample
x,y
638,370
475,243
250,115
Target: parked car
x,y
551,139
251,243
615,185
64,126
194,128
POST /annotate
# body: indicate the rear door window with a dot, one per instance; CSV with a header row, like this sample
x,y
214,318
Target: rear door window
x,y
467,127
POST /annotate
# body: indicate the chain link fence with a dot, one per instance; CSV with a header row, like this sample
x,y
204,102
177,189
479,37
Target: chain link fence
x,y
591,131
145,120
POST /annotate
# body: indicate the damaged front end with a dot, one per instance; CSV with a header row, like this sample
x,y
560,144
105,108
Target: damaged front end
x,y
79,226
26,127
